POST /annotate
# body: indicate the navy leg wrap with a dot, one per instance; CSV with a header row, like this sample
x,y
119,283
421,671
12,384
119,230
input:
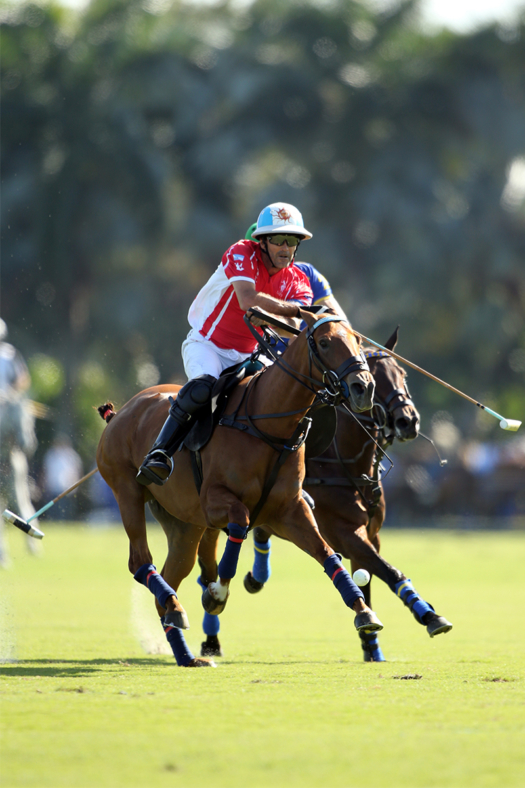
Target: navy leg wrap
x,y
211,625
371,647
405,591
149,577
342,580
228,563
178,645
261,562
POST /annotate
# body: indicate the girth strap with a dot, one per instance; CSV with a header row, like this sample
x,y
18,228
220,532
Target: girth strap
x,y
295,443
272,478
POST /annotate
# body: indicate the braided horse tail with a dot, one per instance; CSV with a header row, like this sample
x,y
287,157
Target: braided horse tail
x,y
107,411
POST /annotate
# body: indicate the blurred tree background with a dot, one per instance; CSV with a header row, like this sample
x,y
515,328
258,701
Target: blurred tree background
x,y
141,138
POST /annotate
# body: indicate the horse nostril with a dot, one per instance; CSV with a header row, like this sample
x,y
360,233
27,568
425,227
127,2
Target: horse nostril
x,y
357,389
407,426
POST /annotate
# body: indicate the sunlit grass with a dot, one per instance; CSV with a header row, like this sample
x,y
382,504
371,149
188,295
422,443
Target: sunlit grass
x,y
291,703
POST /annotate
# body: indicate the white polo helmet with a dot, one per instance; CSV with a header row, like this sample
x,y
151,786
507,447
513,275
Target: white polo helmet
x,y
3,329
280,217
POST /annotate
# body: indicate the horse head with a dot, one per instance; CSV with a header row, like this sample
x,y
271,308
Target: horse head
x,y
392,395
335,351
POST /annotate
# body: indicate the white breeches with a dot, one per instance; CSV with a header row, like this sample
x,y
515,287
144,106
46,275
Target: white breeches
x,y
202,357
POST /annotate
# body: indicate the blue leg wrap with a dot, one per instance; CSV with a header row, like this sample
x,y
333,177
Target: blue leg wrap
x,y
228,563
261,562
178,645
211,625
342,580
371,647
405,591
149,577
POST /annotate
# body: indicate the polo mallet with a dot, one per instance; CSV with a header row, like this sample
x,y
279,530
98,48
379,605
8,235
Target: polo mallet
x,y
19,522
506,424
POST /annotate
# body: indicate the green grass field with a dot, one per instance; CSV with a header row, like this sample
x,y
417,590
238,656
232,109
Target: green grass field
x,y
291,703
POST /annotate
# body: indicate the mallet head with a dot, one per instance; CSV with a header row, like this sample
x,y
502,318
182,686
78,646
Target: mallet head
x,y
510,424
22,524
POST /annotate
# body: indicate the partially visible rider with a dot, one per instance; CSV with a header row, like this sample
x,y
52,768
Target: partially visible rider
x,y
14,375
17,436
17,423
253,273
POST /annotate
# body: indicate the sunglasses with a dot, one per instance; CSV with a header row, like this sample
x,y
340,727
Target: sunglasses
x,y
279,240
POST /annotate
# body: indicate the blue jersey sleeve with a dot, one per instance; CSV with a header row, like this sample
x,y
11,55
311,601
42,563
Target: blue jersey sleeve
x,y
320,288
319,284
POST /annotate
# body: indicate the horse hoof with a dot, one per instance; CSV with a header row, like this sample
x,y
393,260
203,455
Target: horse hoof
x,y
373,655
251,584
371,648
367,622
438,625
177,619
371,658
211,605
197,662
211,647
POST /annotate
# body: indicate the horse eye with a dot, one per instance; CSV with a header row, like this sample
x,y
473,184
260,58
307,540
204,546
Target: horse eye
x,y
324,343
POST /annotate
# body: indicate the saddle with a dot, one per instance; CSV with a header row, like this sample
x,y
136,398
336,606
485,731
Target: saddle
x,y
209,415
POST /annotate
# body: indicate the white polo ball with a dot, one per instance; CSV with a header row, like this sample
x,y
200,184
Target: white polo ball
x,y
361,577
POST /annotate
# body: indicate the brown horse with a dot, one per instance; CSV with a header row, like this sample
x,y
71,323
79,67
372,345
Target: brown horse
x,y
349,504
237,464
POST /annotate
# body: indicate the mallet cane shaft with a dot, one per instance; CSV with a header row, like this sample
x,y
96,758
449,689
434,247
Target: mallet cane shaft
x,y
62,495
506,424
24,524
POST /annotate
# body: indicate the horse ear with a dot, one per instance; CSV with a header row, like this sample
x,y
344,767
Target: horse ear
x,y
392,341
307,315
312,313
317,309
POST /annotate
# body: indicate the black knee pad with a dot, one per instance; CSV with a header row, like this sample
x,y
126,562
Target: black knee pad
x,y
195,394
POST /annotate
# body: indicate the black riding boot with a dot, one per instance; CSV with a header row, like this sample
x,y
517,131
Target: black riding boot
x,y
157,465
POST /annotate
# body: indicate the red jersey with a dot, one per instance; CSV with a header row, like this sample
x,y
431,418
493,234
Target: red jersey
x,y
216,313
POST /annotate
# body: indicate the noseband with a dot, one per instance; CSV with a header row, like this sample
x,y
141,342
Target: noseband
x,y
334,380
398,398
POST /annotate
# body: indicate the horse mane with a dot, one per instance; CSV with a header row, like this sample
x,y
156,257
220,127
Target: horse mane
x,y
107,411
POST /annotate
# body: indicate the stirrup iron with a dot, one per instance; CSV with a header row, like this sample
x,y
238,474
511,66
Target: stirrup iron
x,y
147,475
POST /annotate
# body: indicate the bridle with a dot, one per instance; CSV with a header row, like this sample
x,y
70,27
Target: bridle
x,y
382,418
334,380
396,399
335,386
